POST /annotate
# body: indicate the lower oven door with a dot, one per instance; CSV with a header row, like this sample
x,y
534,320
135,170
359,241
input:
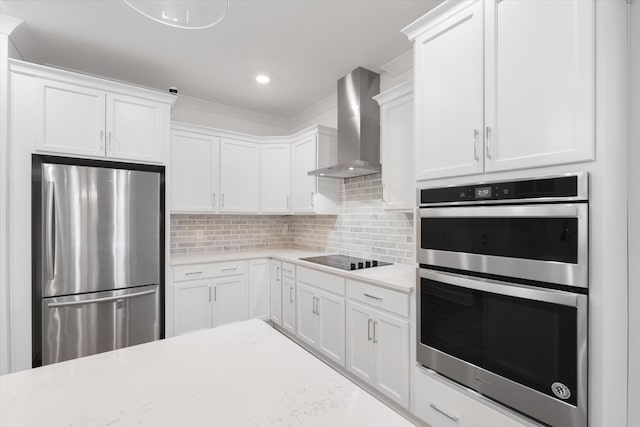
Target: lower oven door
x,y
523,346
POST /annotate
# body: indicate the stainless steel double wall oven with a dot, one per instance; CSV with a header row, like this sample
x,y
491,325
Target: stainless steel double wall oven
x,y
503,291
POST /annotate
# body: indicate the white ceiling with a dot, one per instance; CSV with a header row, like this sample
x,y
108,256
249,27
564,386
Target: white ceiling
x,y
304,45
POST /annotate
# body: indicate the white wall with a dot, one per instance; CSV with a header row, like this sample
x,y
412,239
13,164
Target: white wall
x,y
4,285
634,221
204,113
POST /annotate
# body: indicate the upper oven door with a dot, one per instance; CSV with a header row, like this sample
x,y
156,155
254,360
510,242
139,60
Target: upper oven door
x,y
545,242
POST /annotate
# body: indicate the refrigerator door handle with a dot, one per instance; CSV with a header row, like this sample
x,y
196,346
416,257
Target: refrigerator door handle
x,y
99,300
50,231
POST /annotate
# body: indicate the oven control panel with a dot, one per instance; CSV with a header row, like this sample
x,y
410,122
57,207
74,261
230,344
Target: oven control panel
x,y
558,187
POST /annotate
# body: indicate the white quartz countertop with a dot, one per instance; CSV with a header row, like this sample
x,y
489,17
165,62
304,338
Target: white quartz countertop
x,y
399,277
243,374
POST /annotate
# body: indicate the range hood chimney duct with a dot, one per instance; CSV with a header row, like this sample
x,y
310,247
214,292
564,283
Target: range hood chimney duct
x,y
358,126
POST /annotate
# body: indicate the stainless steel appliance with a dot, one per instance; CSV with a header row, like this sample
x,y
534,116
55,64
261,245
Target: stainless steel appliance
x,y
345,262
358,127
97,257
502,292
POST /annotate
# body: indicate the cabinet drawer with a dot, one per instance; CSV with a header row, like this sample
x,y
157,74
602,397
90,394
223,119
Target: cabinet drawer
x,y
218,269
321,280
386,299
289,270
441,405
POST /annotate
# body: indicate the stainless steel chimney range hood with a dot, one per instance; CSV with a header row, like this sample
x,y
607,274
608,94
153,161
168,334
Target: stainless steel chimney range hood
x,y
358,127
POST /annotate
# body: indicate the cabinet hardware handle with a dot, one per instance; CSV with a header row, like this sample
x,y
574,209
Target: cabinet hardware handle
x,y
215,293
291,294
214,200
382,193
371,296
318,306
230,269
435,408
312,201
375,330
222,201
110,144
369,330
476,134
287,201
102,139
488,137
209,288
313,306
278,275
192,273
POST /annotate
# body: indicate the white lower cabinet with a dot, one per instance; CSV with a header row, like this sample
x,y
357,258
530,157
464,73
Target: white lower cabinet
x,y
209,295
440,404
229,300
378,350
289,304
321,314
259,289
276,292
192,306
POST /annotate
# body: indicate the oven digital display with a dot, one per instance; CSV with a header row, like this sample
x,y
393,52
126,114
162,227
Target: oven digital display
x,y
483,192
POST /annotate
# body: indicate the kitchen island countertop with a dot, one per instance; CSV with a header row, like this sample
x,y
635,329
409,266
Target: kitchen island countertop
x,y
242,374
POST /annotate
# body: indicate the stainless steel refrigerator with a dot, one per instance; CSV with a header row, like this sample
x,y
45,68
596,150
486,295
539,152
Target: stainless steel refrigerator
x,y
97,257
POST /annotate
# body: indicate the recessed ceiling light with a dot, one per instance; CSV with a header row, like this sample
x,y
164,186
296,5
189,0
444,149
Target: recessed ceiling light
x,y
263,79
351,168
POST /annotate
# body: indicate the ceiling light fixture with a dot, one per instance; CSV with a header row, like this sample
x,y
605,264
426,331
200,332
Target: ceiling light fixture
x,y
185,14
263,79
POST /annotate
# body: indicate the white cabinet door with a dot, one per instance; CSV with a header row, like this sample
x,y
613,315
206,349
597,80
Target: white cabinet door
x,y
195,162
192,306
259,289
136,128
289,304
276,292
391,337
229,300
397,148
239,176
360,347
331,310
308,320
275,182
70,119
539,83
449,98
303,187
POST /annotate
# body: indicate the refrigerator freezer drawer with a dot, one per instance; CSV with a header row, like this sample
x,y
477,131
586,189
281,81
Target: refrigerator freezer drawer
x,y
81,325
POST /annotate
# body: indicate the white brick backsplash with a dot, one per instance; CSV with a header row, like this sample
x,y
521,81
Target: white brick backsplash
x,y
361,228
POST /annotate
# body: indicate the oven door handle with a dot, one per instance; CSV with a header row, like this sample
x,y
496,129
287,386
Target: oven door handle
x,y
571,210
516,290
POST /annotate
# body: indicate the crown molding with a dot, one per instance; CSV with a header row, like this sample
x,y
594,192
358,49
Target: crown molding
x,y
21,38
399,65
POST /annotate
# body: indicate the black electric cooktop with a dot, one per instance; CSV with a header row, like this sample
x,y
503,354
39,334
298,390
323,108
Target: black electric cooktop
x,y
345,262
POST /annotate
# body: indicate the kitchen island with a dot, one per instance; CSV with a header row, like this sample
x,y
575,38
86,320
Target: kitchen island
x,y
242,374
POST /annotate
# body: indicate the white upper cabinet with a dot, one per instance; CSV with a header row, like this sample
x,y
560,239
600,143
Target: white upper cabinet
x,y
70,119
539,83
275,181
195,164
218,171
303,186
449,96
311,194
79,115
503,85
396,147
136,128
239,176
